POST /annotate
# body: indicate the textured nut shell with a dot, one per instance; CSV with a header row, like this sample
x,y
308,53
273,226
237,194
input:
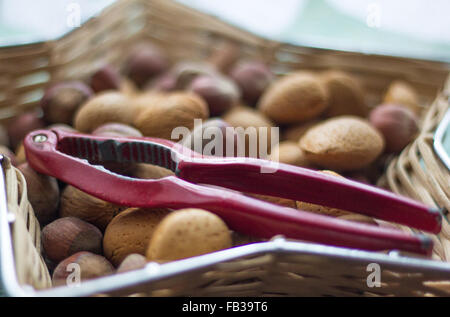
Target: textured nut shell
x,y
274,200
172,110
246,117
148,171
66,236
186,233
402,93
42,192
105,108
346,96
289,152
130,232
132,262
342,143
91,266
75,203
294,98
323,210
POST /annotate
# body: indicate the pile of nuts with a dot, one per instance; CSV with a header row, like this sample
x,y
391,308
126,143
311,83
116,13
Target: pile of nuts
x,y
323,116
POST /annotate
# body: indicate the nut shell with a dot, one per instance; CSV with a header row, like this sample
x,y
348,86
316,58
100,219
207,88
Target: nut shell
x,y
219,92
106,78
289,152
396,123
167,112
187,233
246,117
115,129
274,200
42,192
252,77
130,232
323,210
295,133
21,125
342,143
75,203
346,96
104,108
145,62
402,93
211,138
132,262
89,266
149,171
294,98
61,101
66,236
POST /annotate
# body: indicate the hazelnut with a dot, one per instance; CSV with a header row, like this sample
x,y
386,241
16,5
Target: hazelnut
x,y
88,266
402,93
106,107
75,203
186,71
178,109
342,143
24,123
132,262
212,139
4,138
61,101
66,236
7,152
252,77
346,96
294,98
165,83
145,62
106,78
42,192
219,92
130,231
187,233
398,125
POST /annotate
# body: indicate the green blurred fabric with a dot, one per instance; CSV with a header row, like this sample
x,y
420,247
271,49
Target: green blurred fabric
x,y
320,24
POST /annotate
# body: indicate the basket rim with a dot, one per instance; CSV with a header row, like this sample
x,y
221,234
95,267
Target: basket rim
x,y
280,42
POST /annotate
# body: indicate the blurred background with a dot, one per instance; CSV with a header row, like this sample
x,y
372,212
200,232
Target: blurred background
x,y
411,28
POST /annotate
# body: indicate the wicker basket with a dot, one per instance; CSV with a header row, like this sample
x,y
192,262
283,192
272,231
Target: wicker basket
x,y
277,267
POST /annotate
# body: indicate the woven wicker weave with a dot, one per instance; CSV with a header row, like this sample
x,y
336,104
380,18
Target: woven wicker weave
x,y
261,269
419,173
